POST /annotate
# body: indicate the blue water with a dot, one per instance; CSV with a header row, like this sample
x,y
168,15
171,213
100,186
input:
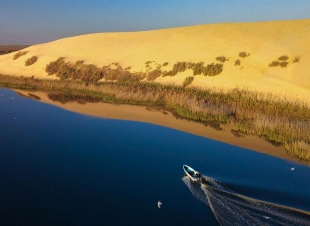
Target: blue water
x,y
63,168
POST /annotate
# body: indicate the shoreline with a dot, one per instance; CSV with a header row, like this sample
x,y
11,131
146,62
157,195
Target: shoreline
x,y
239,113
162,118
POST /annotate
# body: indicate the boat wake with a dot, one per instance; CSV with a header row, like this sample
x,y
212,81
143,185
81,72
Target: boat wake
x,y
231,208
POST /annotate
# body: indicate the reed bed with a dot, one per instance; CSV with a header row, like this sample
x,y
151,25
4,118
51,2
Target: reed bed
x,y
278,121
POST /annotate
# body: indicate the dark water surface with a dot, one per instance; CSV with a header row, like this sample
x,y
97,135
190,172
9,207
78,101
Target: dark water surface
x,y
63,168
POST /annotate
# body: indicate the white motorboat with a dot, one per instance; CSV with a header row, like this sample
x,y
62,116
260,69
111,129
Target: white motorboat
x,y
194,175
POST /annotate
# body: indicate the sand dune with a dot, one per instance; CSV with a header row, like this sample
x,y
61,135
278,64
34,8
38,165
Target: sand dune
x,y
263,41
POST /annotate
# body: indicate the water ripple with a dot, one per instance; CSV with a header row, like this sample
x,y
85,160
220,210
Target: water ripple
x,y
231,208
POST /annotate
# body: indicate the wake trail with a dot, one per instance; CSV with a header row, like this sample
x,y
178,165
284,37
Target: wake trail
x,y
231,208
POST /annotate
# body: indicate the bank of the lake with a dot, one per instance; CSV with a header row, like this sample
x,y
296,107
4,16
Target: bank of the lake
x,y
280,122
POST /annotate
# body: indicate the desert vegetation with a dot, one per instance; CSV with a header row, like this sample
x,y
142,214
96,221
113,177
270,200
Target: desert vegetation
x,y
282,62
187,81
296,60
249,113
237,62
19,54
177,67
198,68
89,73
31,60
244,54
283,58
221,59
92,74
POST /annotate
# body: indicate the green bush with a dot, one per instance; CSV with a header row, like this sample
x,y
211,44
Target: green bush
x,y
31,60
237,62
165,64
187,81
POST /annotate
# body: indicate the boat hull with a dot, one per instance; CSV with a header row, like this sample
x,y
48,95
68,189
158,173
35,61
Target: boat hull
x,y
192,174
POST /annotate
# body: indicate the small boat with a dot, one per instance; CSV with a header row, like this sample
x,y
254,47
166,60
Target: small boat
x,y
194,175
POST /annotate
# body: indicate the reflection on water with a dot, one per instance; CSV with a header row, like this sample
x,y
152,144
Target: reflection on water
x,y
231,208
84,104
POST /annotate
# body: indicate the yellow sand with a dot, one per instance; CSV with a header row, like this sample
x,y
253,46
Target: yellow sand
x,y
264,41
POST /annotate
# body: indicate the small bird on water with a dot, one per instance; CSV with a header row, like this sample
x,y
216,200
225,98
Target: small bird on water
x,y
159,204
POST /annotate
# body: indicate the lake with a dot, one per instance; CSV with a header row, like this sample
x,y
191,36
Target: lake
x,y
63,168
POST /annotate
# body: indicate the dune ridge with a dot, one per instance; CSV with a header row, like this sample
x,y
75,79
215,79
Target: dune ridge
x,y
264,42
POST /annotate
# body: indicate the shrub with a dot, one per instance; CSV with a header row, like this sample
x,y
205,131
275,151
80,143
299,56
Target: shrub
x,y
198,68
65,70
283,58
79,62
19,54
274,64
283,63
221,59
154,74
213,69
53,66
165,64
243,54
177,67
296,60
31,60
187,81
190,65
237,62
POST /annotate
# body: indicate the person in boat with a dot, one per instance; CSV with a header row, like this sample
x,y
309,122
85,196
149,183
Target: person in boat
x,y
198,175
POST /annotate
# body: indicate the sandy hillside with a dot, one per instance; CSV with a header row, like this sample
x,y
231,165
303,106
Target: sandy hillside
x,y
263,42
